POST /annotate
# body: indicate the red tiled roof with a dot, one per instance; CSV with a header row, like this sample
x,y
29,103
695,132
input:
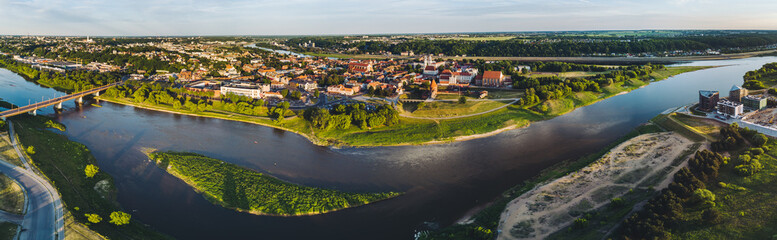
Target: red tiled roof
x,y
492,74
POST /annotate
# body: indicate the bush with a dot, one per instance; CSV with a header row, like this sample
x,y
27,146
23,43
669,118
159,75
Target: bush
x,y
31,150
711,216
120,218
91,170
704,197
462,100
580,223
93,218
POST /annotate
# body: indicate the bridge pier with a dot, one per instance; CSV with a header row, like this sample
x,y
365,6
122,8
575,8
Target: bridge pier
x,y
80,100
34,112
58,106
97,94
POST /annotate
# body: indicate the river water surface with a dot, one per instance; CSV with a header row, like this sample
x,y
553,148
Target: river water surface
x,y
442,182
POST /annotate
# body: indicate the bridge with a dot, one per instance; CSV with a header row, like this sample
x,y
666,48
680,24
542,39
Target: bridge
x,y
56,102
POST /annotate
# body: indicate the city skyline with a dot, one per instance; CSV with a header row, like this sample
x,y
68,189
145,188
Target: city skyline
x,y
312,17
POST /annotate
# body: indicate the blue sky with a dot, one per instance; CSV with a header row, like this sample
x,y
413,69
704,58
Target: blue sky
x,y
279,17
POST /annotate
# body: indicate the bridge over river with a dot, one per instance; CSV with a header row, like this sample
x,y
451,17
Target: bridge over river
x,y
56,102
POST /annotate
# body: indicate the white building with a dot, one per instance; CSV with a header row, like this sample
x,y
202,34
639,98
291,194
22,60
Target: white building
x,y
729,108
242,89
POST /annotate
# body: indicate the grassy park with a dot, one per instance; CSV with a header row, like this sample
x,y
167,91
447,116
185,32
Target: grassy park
x,y
246,190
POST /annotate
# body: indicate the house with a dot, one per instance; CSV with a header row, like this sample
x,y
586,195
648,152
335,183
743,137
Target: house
x,y
430,70
309,86
273,95
493,79
730,108
736,93
340,89
359,67
708,100
754,102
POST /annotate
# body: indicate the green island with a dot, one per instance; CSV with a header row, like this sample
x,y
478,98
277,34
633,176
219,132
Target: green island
x,y
63,162
246,190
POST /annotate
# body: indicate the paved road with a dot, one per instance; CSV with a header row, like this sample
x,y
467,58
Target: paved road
x,y
44,214
10,217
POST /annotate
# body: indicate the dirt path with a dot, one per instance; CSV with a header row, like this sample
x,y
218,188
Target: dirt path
x,y
553,206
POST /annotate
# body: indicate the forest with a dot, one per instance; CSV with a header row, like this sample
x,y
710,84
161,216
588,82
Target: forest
x,y
243,189
755,79
72,81
546,47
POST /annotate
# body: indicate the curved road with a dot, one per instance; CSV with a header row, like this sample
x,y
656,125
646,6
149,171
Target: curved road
x,y
44,214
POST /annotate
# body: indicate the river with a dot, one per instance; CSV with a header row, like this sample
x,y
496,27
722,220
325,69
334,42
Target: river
x,y
442,182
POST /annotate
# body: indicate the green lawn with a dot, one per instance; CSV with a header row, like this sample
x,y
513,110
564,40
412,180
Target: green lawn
x,y
747,213
672,71
243,189
450,109
7,230
11,195
63,162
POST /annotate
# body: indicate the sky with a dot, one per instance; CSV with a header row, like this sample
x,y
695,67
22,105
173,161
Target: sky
x,y
315,17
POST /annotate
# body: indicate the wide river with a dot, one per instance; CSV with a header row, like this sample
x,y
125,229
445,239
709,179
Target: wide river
x,y
442,182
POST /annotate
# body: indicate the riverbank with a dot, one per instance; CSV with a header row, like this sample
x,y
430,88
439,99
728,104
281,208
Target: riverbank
x,y
63,162
245,190
412,131
638,164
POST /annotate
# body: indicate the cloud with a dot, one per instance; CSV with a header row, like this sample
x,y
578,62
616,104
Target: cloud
x,y
270,17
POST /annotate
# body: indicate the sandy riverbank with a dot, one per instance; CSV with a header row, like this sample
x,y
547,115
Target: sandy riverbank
x,y
554,206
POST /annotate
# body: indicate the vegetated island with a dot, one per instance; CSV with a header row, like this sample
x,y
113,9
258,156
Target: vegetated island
x,y
245,190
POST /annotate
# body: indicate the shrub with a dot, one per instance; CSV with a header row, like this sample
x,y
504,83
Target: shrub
x,y
91,170
120,218
580,223
93,218
704,197
711,216
31,150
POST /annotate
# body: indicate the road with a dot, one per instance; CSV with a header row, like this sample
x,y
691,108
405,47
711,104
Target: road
x,y
44,217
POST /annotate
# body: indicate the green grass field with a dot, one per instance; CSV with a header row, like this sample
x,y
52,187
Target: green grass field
x,y
746,213
451,109
7,231
11,195
243,189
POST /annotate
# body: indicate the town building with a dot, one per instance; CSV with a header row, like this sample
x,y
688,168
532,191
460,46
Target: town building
x,y
736,93
754,102
730,108
357,67
708,100
433,89
493,79
242,89
341,90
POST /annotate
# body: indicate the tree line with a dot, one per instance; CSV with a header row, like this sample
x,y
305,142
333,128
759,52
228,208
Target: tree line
x,y
343,116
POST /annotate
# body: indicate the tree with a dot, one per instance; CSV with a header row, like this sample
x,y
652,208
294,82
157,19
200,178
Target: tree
x,y
316,93
93,218
30,150
120,218
704,197
711,216
462,100
759,140
285,92
91,170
